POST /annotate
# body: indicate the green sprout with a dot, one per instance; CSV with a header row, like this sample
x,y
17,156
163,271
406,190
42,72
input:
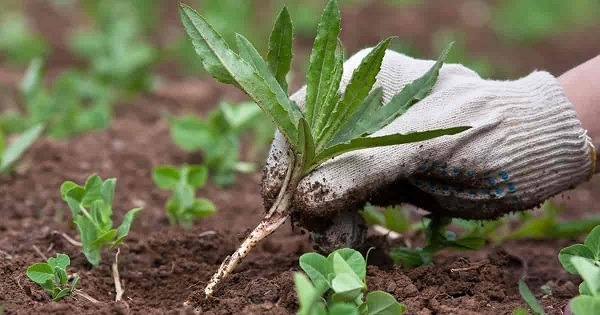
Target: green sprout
x,y
330,125
337,285
530,299
91,206
52,276
184,208
18,43
584,260
217,136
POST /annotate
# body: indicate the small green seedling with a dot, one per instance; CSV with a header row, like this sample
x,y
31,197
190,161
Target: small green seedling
x,y
584,260
184,208
18,43
52,276
438,238
331,123
217,136
392,218
91,206
549,224
337,285
76,103
11,153
116,50
528,296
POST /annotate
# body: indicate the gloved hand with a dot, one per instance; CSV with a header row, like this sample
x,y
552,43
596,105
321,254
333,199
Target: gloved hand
x,y
525,145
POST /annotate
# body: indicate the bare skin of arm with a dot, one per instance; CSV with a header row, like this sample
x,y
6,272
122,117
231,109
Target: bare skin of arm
x,y
582,87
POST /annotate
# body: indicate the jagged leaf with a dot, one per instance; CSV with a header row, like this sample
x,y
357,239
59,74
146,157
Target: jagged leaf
x,y
279,57
227,66
322,61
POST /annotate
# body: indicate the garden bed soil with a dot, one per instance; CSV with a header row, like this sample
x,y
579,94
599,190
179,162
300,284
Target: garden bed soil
x,y
162,266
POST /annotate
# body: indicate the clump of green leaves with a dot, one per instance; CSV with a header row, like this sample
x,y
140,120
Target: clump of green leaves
x,y
437,237
331,123
52,276
549,224
11,153
91,206
116,50
584,260
184,208
337,285
18,43
217,136
73,105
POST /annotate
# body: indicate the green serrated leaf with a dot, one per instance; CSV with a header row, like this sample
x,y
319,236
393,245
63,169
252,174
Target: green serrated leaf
x,y
382,303
401,102
279,57
351,129
227,66
322,62
356,91
19,146
577,250
528,296
394,139
249,54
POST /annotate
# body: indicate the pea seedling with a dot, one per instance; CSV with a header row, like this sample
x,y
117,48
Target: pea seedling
x,y
52,276
337,286
217,136
438,238
183,208
584,260
530,299
331,124
91,206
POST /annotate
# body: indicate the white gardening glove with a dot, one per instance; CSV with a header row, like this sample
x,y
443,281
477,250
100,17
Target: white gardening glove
x,y
525,145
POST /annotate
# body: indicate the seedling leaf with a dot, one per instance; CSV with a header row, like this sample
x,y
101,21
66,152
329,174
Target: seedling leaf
x,y
353,259
528,296
592,241
40,273
382,303
19,146
318,269
125,226
165,177
585,305
576,250
590,272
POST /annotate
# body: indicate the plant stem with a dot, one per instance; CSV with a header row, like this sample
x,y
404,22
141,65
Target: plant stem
x,y
276,216
117,279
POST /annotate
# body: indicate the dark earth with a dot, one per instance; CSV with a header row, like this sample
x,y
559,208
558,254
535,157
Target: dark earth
x,y
162,266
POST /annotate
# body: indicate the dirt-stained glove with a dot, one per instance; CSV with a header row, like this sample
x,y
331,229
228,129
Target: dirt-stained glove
x,y
525,145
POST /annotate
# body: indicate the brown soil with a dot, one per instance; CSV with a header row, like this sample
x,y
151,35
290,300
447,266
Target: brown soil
x,y
162,266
